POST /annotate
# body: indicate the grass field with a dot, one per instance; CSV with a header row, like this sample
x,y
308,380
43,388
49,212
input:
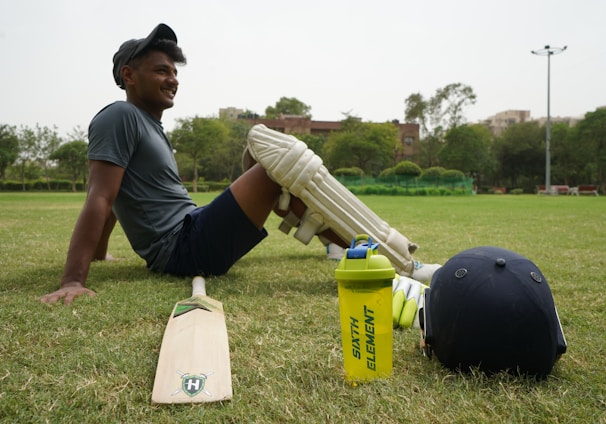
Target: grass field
x,y
94,361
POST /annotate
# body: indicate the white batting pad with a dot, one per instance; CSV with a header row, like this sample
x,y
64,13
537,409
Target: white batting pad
x,y
289,162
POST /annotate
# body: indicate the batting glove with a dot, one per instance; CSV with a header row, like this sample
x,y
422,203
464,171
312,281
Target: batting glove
x,y
408,299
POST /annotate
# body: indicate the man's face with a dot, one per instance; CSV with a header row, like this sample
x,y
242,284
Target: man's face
x,y
151,82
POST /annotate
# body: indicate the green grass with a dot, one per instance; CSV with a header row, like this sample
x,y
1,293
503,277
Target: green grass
x,y
94,361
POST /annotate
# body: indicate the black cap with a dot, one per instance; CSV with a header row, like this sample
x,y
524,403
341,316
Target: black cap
x,y
492,308
131,48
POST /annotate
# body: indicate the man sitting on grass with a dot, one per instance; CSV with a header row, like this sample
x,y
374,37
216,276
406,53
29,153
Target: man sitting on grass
x,y
133,178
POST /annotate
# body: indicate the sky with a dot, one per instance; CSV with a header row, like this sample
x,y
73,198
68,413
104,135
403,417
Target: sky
x,y
340,57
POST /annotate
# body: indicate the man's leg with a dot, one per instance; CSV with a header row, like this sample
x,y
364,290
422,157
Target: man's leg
x,y
215,236
301,173
257,195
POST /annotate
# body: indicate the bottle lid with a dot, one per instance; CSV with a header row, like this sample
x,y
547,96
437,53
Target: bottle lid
x,y
363,262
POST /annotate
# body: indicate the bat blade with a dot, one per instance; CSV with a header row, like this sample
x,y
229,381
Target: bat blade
x,y
194,363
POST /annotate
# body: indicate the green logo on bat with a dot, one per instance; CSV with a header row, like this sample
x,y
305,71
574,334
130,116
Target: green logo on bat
x,y
192,384
191,304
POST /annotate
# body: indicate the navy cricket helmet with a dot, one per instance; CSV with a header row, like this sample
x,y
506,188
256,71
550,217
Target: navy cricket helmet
x,y
492,308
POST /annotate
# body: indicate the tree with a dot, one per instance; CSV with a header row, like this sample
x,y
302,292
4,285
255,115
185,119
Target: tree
x,y
520,152
47,141
314,142
467,148
27,153
369,146
225,159
288,106
77,133
429,149
9,148
72,158
441,112
196,137
416,111
436,115
592,140
35,147
446,107
567,161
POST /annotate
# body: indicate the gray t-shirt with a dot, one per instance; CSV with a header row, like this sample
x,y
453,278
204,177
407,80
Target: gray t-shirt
x,y
152,200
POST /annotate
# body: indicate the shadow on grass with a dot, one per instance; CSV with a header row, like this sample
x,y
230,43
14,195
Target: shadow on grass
x,y
254,275
48,277
307,274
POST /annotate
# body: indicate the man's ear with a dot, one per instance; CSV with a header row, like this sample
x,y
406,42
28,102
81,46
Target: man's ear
x,y
128,75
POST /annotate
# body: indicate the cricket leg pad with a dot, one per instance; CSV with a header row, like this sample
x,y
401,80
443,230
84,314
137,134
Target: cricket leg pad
x,y
290,163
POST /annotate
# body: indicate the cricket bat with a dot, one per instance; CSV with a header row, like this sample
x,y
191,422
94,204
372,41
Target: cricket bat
x,y
194,363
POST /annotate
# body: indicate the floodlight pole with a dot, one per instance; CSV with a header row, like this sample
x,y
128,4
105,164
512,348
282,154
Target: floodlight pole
x,y
548,51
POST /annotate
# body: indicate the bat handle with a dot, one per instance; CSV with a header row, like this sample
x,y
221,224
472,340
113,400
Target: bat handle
x,y
198,286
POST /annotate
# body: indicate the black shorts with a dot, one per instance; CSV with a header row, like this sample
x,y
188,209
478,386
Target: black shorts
x,y
213,238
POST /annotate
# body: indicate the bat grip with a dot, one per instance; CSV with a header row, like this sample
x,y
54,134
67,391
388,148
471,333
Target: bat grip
x,y
198,286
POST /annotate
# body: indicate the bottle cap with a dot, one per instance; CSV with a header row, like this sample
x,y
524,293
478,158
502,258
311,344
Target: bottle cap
x,y
363,262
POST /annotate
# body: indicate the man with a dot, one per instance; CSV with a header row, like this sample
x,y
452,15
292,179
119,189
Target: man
x,y
134,178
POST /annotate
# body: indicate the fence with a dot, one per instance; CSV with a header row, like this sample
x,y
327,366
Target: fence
x,y
408,186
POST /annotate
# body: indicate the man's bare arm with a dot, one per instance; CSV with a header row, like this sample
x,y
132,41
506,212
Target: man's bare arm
x,y
91,232
101,252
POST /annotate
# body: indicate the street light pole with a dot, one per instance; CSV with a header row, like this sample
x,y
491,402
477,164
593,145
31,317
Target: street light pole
x,y
548,51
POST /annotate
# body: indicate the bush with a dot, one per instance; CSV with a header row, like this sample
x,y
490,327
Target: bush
x,y
205,186
387,172
383,190
40,185
407,167
434,171
354,171
453,174
11,185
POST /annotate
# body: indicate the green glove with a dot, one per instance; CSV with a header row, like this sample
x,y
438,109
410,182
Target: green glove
x,y
408,299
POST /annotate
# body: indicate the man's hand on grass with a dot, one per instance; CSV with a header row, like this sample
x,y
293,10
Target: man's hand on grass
x,y
68,293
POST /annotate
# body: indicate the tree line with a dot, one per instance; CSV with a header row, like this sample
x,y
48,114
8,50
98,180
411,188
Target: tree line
x,y
210,149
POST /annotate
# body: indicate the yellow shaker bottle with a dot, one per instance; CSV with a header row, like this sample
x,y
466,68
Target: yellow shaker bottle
x,y
365,301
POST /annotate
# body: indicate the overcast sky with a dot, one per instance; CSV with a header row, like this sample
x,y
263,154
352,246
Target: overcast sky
x,y
363,58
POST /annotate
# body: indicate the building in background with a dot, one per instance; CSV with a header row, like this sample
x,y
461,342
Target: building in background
x,y
408,134
571,121
499,122
230,113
